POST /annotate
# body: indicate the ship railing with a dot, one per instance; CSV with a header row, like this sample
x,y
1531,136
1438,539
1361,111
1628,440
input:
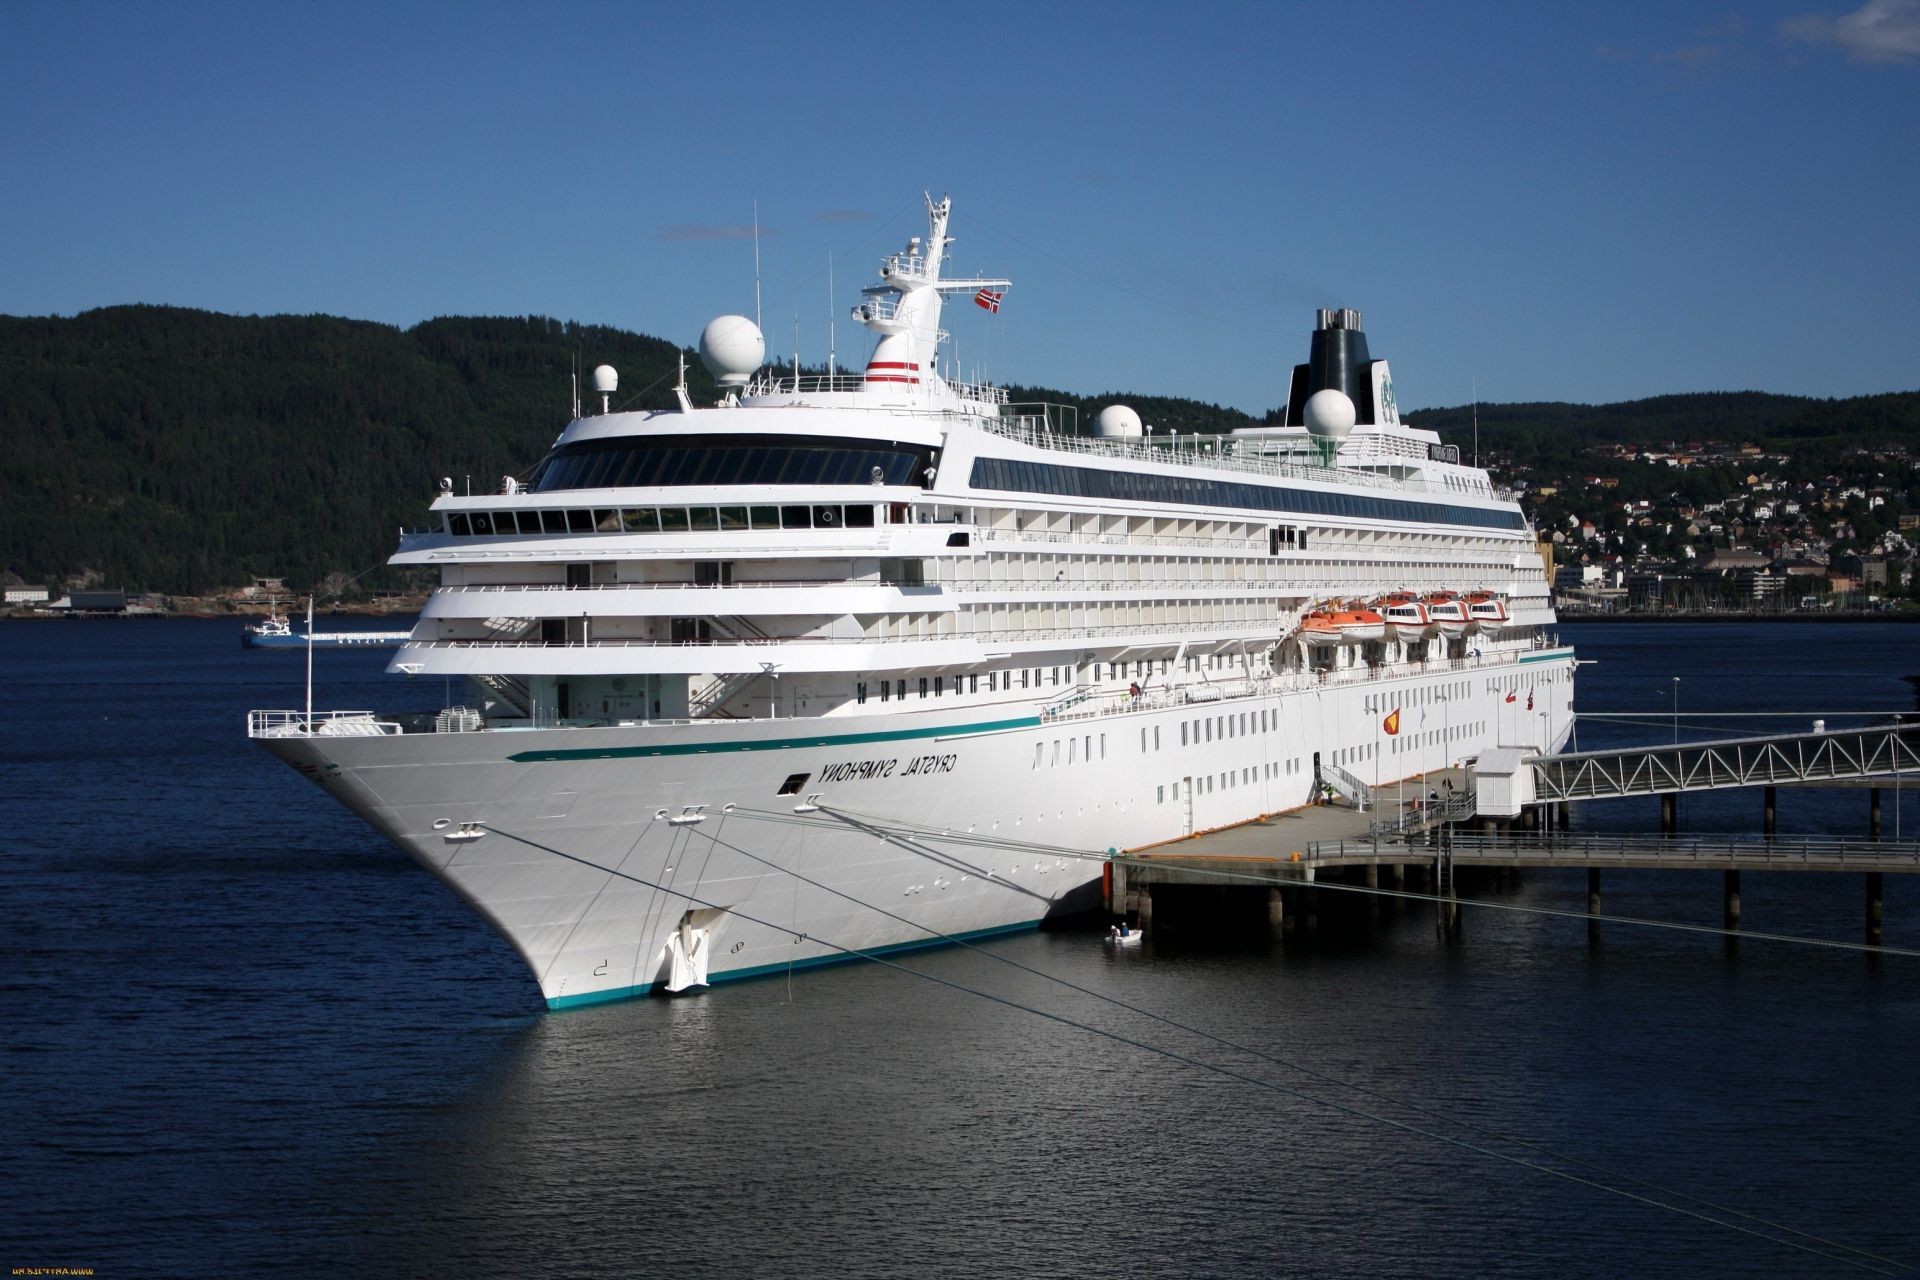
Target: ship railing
x,y
772,384
1250,633
319,724
1215,452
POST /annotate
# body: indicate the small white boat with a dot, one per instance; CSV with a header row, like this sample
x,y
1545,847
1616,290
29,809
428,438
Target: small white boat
x,y
1120,935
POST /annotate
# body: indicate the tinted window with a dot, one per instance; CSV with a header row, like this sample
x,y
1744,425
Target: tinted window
x,y
728,460
1086,482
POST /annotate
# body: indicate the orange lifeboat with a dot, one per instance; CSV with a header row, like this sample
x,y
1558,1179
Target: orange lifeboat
x,y
1357,626
1317,630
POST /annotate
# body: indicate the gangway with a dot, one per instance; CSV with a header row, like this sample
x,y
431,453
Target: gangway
x,y
1884,751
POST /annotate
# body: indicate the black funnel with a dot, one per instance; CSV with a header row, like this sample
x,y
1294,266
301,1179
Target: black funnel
x,y
1338,359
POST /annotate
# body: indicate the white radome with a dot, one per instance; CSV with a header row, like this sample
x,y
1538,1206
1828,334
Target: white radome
x,y
1329,414
1117,421
606,380
732,348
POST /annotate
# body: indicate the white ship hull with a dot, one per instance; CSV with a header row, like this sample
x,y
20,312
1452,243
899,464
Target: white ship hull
x,y
589,863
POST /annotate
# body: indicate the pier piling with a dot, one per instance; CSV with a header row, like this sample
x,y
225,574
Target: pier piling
x,y
1768,802
1669,814
1593,904
1277,912
1873,813
1873,908
1732,913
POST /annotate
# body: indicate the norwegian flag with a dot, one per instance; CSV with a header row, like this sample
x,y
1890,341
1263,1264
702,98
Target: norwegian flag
x,y
990,299
1529,699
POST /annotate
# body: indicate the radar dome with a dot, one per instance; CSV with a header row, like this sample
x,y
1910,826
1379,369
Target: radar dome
x,y
731,347
1329,414
1117,421
606,380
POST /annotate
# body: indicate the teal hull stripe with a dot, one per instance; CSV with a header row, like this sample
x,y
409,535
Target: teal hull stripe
x,y
769,744
773,970
1558,655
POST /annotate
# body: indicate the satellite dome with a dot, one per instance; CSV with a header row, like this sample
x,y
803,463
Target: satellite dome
x,y
1329,414
606,380
1117,421
731,347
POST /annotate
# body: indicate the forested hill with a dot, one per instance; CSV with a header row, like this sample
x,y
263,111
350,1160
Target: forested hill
x,y
176,450
1790,424
179,451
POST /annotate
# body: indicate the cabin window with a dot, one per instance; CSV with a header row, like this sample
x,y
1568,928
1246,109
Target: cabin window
x,y
923,686
860,693
795,781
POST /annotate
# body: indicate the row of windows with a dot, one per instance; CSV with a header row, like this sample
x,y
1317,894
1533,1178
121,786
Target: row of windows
x,y
1078,750
1206,784
1030,678
482,524
1006,475
647,462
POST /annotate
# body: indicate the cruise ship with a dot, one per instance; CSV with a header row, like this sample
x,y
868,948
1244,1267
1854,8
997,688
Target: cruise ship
x,y
848,664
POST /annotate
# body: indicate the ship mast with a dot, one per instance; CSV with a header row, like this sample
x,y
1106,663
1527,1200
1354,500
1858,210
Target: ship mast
x,y
904,309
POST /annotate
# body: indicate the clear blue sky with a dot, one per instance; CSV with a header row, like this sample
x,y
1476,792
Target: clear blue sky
x,y
1558,202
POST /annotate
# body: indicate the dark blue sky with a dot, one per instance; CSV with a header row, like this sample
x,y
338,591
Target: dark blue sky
x,y
1558,202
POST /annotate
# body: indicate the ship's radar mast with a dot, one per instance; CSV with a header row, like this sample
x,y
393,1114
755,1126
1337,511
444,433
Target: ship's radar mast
x,y
904,308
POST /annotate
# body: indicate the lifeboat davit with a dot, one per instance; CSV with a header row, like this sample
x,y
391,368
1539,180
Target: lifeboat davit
x,y
1448,614
1406,618
1488,610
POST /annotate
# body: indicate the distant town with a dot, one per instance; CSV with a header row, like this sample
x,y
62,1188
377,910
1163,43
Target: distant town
x,y
1721,527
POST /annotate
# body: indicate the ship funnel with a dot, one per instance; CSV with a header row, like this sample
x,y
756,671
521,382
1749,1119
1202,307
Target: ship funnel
x,y
1337,360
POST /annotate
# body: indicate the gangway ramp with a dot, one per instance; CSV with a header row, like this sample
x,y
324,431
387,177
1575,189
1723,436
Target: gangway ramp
x,y
1841,755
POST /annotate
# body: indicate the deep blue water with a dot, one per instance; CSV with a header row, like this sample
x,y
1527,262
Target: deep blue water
x,y
243,1036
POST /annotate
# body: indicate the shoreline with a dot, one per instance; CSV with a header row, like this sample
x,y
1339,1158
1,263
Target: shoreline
x,y
1904,615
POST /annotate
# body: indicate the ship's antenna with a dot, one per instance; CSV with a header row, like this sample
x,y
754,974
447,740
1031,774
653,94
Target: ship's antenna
x,y
832,353
1476,422
756,264
576,384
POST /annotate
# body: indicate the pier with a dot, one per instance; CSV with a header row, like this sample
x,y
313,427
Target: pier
x,y
1511,814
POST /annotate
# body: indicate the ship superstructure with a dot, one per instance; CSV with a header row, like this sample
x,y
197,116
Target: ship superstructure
x,y
859,662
